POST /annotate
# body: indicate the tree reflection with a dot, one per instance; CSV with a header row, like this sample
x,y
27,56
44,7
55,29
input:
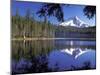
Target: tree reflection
x,y
33,57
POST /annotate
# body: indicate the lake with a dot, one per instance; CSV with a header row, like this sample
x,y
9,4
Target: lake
x,y
39,56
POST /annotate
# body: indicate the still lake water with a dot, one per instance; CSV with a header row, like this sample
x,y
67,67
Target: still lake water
x,y
52,55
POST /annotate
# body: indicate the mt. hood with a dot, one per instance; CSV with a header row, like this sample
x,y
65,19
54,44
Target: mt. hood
x,y
75,22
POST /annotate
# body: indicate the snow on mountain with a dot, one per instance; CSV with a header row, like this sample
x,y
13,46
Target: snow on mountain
x,y
74,21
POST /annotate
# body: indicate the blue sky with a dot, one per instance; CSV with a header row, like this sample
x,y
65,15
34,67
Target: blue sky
x,y
69,11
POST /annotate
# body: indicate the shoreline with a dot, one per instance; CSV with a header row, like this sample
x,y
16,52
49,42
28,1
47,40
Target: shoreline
x,y
92,39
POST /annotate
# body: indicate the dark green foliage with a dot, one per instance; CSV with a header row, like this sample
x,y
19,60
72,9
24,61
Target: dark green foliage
x,y
74,32
56,10
28,27
51,9
90,11
42,13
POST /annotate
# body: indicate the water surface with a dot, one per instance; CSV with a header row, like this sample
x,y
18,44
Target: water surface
x,y
52,55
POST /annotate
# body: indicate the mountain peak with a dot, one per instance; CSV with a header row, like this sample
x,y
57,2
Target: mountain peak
x,y
76,17
75,22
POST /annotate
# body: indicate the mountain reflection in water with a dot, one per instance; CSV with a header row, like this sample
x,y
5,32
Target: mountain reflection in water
x,y
76,52
52,55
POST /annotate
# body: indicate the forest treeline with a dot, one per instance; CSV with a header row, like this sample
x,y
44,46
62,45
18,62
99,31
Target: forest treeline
x,y
27,26
74,32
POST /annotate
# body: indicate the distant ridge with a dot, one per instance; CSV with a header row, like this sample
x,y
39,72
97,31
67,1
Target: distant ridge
x,y
75,22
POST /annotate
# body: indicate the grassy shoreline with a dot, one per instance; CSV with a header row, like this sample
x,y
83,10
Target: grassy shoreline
x,y
53,39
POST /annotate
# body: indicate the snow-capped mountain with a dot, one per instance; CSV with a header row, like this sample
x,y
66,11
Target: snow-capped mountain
x,y
74,21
